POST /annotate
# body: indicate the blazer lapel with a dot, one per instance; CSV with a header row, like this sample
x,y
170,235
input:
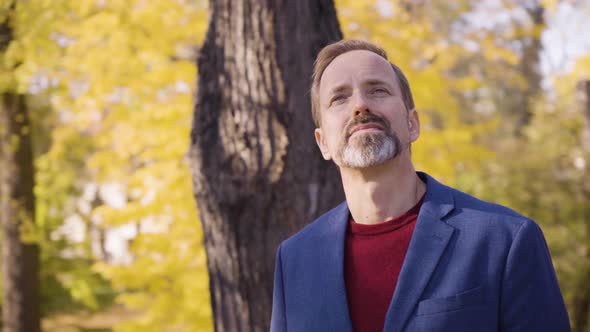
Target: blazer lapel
x,y
332,258
429,240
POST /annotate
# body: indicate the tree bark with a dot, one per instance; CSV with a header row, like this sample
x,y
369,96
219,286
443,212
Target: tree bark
x,y
258,176
530,66
20,260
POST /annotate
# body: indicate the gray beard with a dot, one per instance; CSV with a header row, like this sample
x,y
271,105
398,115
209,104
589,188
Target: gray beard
x,y
369,150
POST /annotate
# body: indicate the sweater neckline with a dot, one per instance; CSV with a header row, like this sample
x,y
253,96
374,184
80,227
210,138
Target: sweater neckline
x,y
388,225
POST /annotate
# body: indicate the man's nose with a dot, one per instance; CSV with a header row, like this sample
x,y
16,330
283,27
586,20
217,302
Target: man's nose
x,y
360,105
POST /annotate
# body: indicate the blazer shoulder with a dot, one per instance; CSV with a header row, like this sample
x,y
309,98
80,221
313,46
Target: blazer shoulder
x,y
475,209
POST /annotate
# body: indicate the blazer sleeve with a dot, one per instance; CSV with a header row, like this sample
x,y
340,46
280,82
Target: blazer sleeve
x,y
530,298
278,321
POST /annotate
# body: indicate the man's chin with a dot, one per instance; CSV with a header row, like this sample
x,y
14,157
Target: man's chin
x,y
360,140
363,160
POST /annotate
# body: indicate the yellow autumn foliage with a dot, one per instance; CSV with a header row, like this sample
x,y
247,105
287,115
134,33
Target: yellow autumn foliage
x,y
118,77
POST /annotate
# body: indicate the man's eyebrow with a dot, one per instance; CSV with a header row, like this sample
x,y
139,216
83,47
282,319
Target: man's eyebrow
x,y
376,81
339,88
369,82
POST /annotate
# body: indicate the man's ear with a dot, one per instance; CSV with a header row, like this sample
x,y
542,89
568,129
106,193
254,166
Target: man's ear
x,y
319,139
413,125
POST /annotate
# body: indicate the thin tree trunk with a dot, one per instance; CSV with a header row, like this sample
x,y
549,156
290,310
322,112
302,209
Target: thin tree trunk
x,y
530,66
20,260
257,174
581,302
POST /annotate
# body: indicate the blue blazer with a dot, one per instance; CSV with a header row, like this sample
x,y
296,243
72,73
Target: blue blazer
x,y
470,266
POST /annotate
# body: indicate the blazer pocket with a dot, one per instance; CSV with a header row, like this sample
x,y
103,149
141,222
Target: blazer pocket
x,y
464,299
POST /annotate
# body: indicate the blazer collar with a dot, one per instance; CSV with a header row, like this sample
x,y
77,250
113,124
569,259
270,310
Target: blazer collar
x,y
429,240
332,242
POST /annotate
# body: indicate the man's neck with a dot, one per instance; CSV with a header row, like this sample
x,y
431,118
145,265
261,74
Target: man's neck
x,y
383,192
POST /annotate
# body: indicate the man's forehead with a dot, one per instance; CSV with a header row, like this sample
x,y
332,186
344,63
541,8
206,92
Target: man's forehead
x,y
359,64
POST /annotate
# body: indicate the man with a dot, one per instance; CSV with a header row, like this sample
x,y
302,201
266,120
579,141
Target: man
x,y
404,252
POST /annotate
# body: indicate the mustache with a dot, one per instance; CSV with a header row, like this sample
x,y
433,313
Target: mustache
x,y
364,119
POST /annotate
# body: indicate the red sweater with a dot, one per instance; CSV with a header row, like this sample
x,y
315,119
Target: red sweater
x,y
373,259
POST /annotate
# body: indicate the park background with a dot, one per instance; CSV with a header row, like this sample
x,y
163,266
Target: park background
x,y
99,98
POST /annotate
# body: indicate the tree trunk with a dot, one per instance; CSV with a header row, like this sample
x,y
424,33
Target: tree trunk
x,y
581,302
530,66
258,176
20,260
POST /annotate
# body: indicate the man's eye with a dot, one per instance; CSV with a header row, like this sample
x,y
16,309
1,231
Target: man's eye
x,y
337,99
379,91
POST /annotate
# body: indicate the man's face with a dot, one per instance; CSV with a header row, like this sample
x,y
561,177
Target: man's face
x,y
364,121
